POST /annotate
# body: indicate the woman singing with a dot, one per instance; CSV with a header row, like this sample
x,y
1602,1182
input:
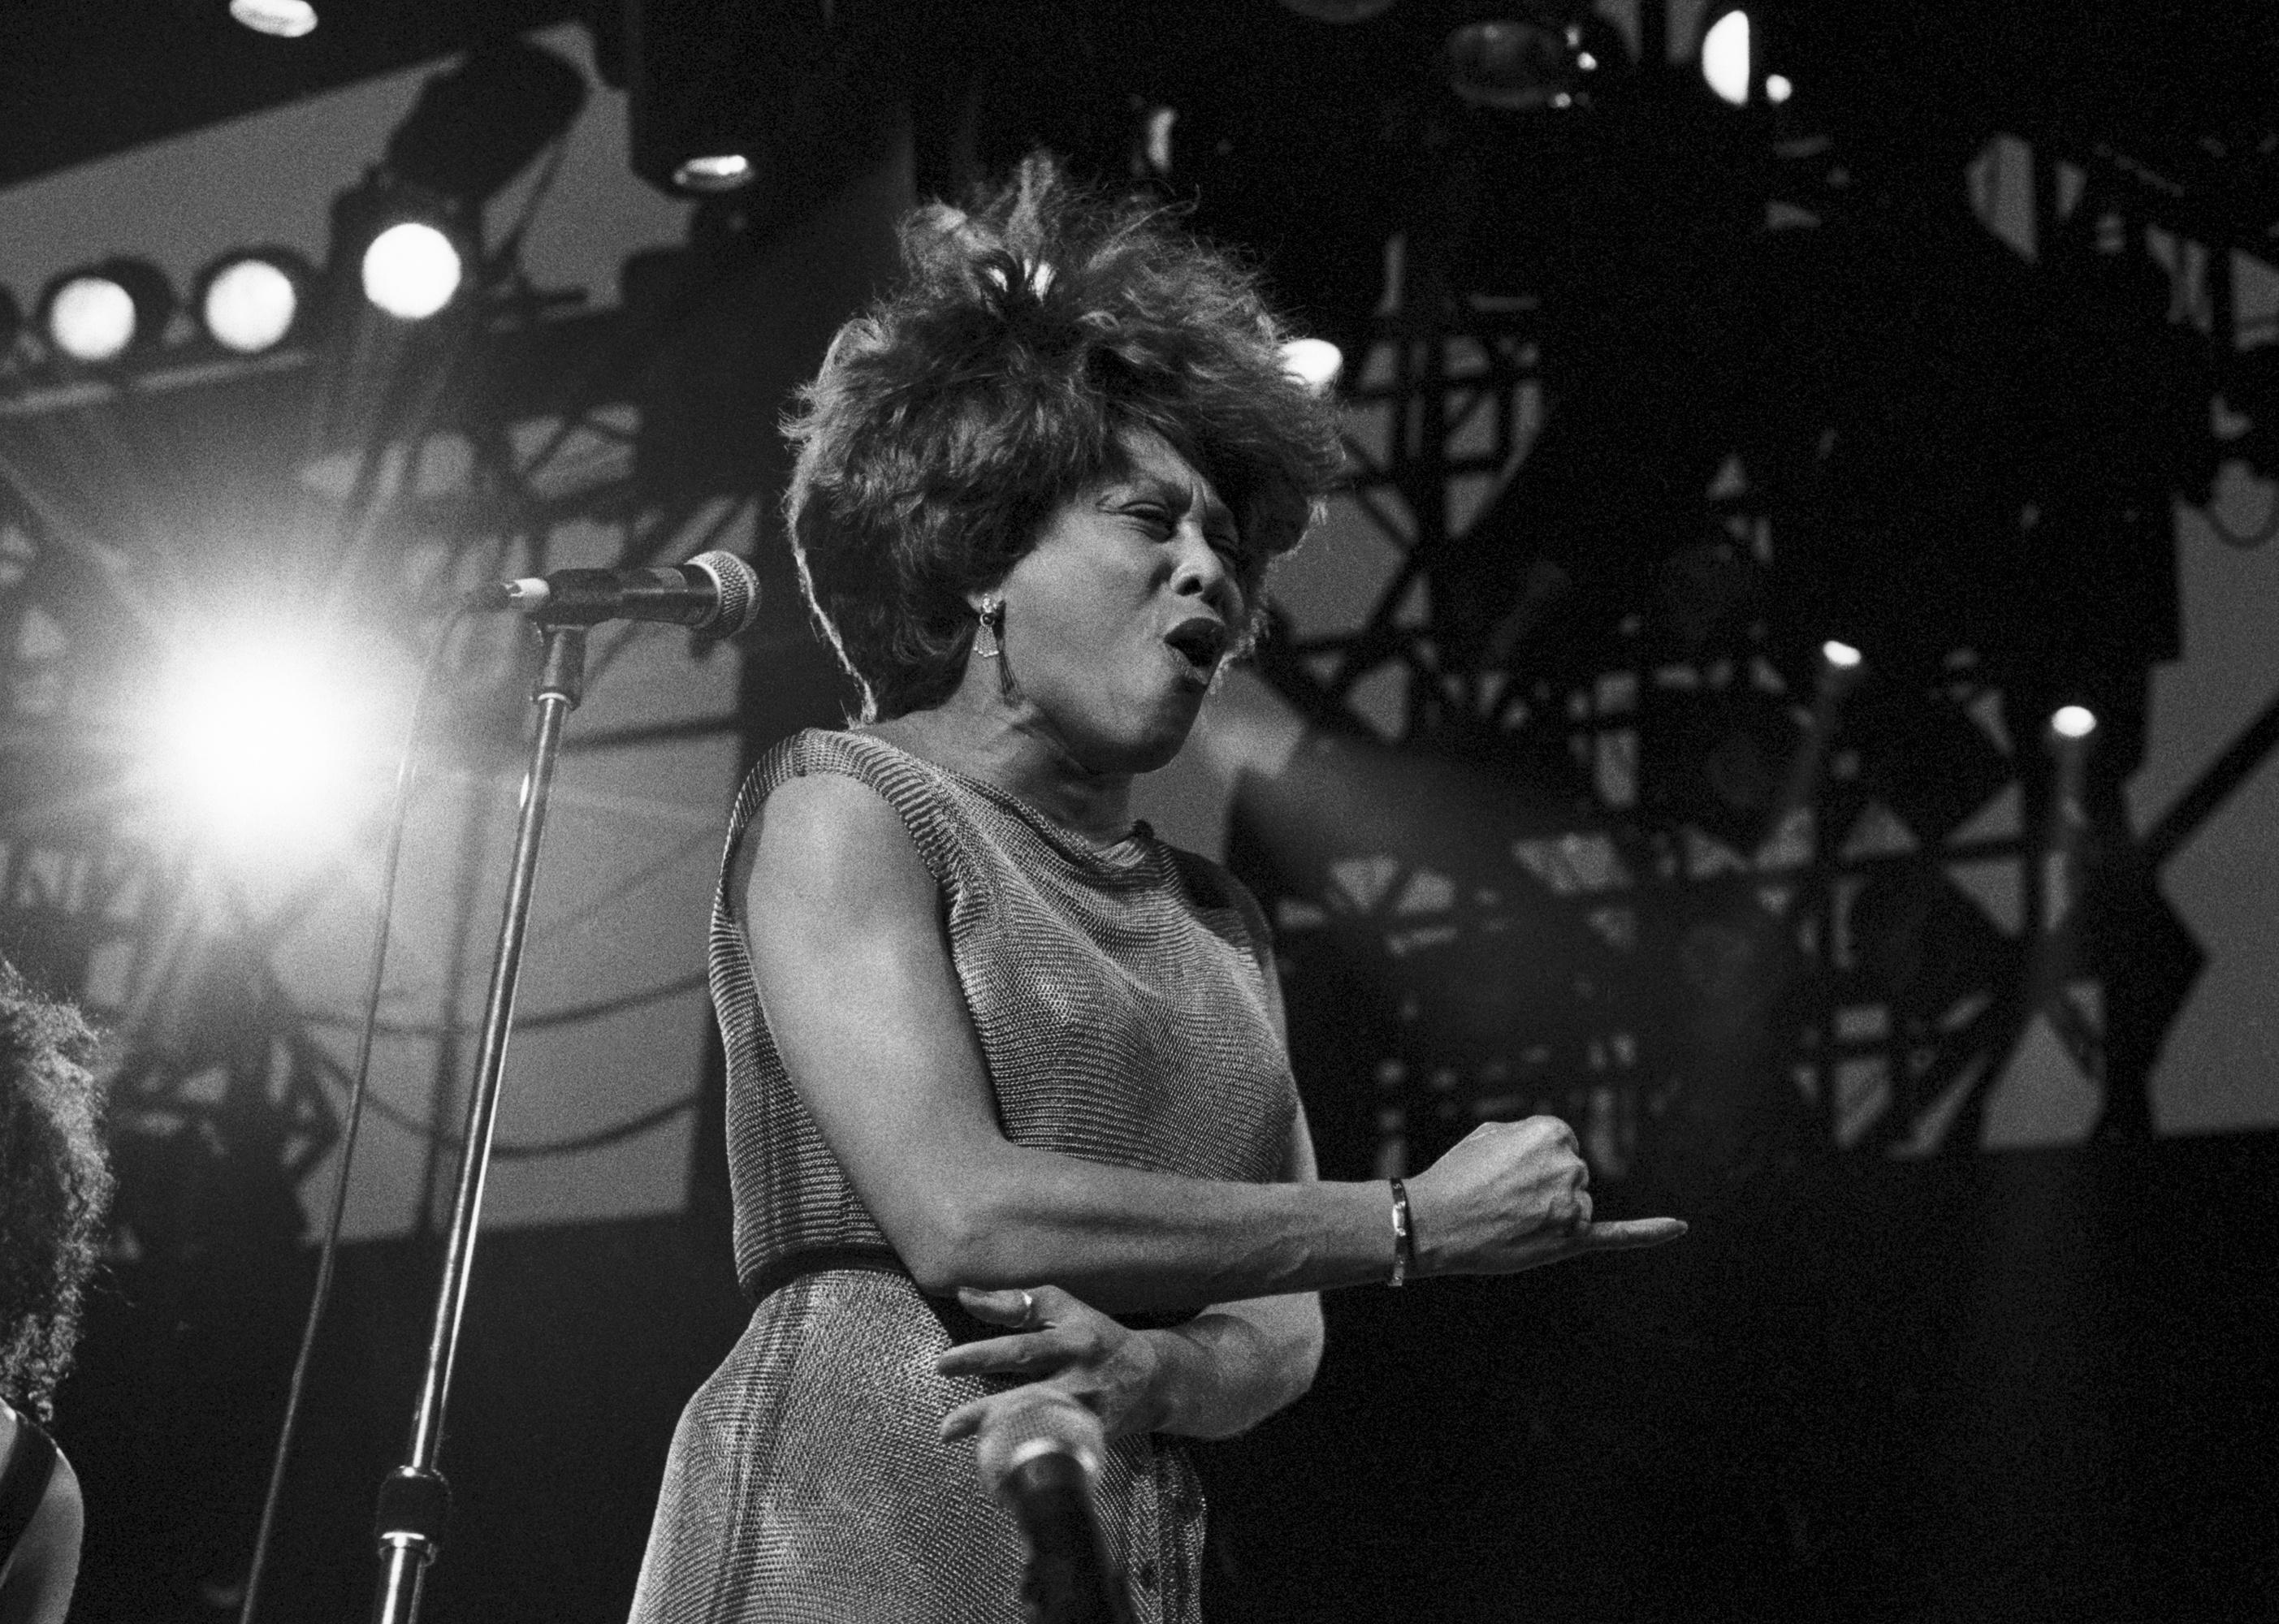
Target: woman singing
x,y
1008,1094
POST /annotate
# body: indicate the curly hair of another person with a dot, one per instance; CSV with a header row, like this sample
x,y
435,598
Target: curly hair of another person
x,y
951,419
55,1188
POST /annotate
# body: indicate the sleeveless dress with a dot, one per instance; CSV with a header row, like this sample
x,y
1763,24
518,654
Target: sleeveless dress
x,y
1126,1015
31,1462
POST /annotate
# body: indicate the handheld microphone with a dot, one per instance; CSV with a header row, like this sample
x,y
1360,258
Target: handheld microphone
x,y
715,592
1039,1454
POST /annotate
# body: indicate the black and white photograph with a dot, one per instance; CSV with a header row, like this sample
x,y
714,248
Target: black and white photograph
x,y
1113,812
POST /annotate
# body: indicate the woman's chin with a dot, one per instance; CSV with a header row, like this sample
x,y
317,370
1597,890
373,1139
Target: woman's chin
x,y
1147,746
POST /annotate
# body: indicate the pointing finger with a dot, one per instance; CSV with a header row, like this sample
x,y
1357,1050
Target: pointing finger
x,y
1623,1234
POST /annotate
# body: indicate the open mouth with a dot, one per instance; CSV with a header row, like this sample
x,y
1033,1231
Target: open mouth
x,y
1201,642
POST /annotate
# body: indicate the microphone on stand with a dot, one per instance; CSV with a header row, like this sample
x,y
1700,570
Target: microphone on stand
x,y
717,594
1040,1453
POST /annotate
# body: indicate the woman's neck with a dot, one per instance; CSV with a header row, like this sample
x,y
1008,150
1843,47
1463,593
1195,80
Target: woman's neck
x,y
1020,757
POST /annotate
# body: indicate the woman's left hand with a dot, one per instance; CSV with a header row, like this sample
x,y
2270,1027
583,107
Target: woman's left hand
x,y
1104,1364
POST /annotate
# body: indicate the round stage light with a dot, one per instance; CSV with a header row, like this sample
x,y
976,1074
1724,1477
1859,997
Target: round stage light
x,y
1840,655
102,311
249,301
1513,64
1778,88
1314,362
91,319
411,270
2073,722
284,20
713,173
1725,58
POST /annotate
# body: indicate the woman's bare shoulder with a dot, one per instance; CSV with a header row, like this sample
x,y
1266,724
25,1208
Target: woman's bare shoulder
x,y
832,838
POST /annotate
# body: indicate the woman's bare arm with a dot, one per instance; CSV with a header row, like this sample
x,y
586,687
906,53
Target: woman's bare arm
x,y
843,919
1218,1375
1237,1363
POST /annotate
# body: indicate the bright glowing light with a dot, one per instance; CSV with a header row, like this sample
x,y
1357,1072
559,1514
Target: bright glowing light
x,y
1725,57
91,319
1777,89
720,172
262,741
411,270
248,306
2073,722
1160,120
1842,656
1314,362
287,19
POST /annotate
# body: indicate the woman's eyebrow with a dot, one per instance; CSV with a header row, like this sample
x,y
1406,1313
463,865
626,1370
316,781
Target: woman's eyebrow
x,y
1176,494
1133,487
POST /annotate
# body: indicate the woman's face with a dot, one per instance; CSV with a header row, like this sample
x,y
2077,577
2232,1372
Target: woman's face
x,y
1117,620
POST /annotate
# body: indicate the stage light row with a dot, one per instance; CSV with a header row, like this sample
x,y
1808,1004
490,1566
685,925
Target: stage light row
x,y
246,302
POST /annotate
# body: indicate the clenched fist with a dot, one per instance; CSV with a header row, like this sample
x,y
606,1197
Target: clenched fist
x,y
1514,1195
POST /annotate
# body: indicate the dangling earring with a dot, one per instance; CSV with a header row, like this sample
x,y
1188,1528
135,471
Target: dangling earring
x,y
991,611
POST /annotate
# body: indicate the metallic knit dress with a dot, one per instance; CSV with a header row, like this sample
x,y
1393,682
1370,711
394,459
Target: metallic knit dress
x,y
1124,1017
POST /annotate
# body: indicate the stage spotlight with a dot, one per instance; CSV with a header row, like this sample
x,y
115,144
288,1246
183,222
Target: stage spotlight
x,y
90,319
250,300
715,173
411,251
410,232
284,20
1314,362
1840,657
2073,722
1777,89
1518,63
1725,62
263,739
106,311
411,270
477,125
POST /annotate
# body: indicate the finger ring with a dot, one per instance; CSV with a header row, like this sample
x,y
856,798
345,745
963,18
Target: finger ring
x,y
1028,1308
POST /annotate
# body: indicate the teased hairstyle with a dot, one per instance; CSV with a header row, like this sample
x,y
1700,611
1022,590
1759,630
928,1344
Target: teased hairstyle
x,y
952,419
55,1188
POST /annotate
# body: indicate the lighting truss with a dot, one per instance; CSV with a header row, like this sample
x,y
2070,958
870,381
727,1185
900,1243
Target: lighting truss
x,y
1508,909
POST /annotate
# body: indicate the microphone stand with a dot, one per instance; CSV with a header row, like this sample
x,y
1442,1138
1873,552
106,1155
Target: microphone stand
x,y
414,1499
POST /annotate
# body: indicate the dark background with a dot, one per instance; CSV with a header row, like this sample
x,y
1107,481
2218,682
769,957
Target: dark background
x,y
2034,1385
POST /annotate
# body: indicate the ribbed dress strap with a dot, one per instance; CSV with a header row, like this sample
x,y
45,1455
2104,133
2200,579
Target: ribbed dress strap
x,y
31,1463
899,779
